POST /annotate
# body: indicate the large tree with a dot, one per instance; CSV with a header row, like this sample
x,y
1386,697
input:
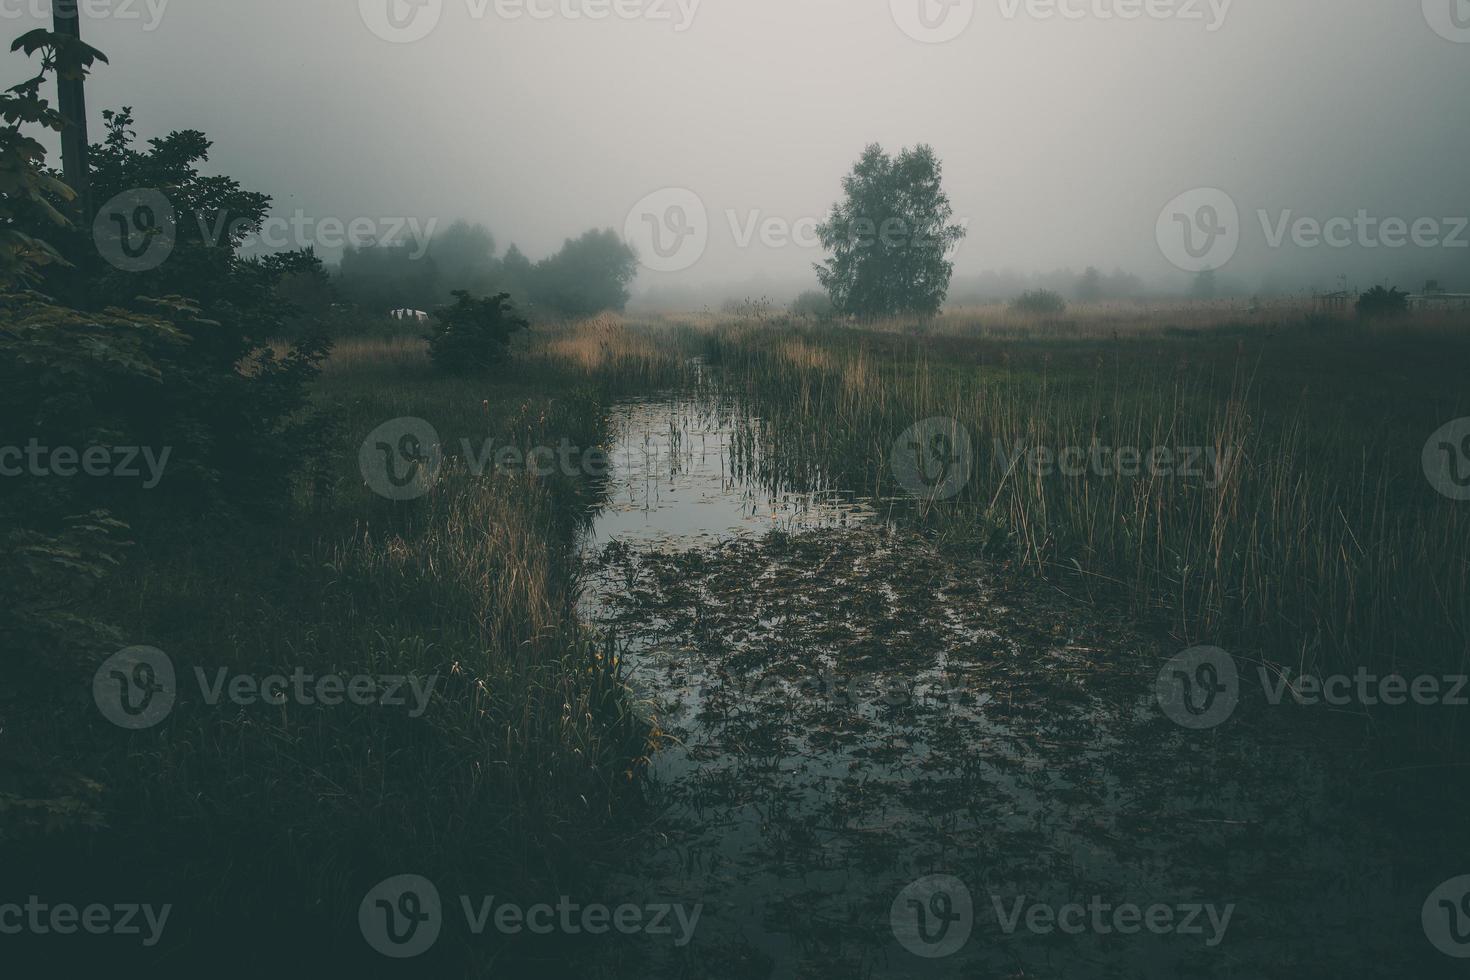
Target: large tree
x,y
890,237
589,275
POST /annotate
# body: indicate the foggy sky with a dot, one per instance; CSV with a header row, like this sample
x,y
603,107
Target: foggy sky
x,y
1062,137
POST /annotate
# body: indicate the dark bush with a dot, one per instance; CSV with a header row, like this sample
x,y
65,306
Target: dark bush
x,y
201,376
1042,302
813,303
1379,302
474,334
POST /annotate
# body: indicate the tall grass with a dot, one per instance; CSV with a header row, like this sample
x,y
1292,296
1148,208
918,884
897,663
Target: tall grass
x,y
275,819
1322,548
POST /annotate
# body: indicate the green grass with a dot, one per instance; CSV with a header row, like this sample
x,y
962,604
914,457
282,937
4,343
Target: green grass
x,y
1324,548
274,821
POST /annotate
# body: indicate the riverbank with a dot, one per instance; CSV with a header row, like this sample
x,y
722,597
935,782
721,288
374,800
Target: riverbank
x,y
717,634
361,687
852,703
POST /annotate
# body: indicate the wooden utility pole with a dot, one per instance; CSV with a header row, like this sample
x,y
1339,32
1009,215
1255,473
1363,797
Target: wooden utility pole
x,y
73,99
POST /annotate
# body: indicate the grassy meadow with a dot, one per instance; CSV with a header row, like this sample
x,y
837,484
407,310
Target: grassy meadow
x,y
429,552
521,772
1320,547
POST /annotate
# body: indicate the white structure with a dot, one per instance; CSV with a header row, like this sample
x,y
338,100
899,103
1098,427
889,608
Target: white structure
x,y
1434,298
418,315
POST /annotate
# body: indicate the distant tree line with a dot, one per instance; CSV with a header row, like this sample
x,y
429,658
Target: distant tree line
x,y
589,274
1091,285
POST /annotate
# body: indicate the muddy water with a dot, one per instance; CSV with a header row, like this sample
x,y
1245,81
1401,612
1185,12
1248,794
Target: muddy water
x,y
879,759
681,479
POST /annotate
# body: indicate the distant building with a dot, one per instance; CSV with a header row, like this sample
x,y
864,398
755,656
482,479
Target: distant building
x,y
418,315
1338,302
1435,298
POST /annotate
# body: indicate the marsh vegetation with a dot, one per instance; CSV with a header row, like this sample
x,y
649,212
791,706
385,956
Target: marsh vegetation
x,y
747,667
460,622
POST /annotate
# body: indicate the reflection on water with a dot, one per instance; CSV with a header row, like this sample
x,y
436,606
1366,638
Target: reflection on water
x,y
848,710
683,477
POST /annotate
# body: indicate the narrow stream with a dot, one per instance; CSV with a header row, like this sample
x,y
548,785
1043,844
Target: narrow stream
x,y
677,484
850,715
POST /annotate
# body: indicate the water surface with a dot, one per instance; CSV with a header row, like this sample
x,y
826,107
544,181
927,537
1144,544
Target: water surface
x,y
847,709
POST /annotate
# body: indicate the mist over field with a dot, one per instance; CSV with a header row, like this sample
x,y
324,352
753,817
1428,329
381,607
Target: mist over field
x,y
1064,128
735,489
